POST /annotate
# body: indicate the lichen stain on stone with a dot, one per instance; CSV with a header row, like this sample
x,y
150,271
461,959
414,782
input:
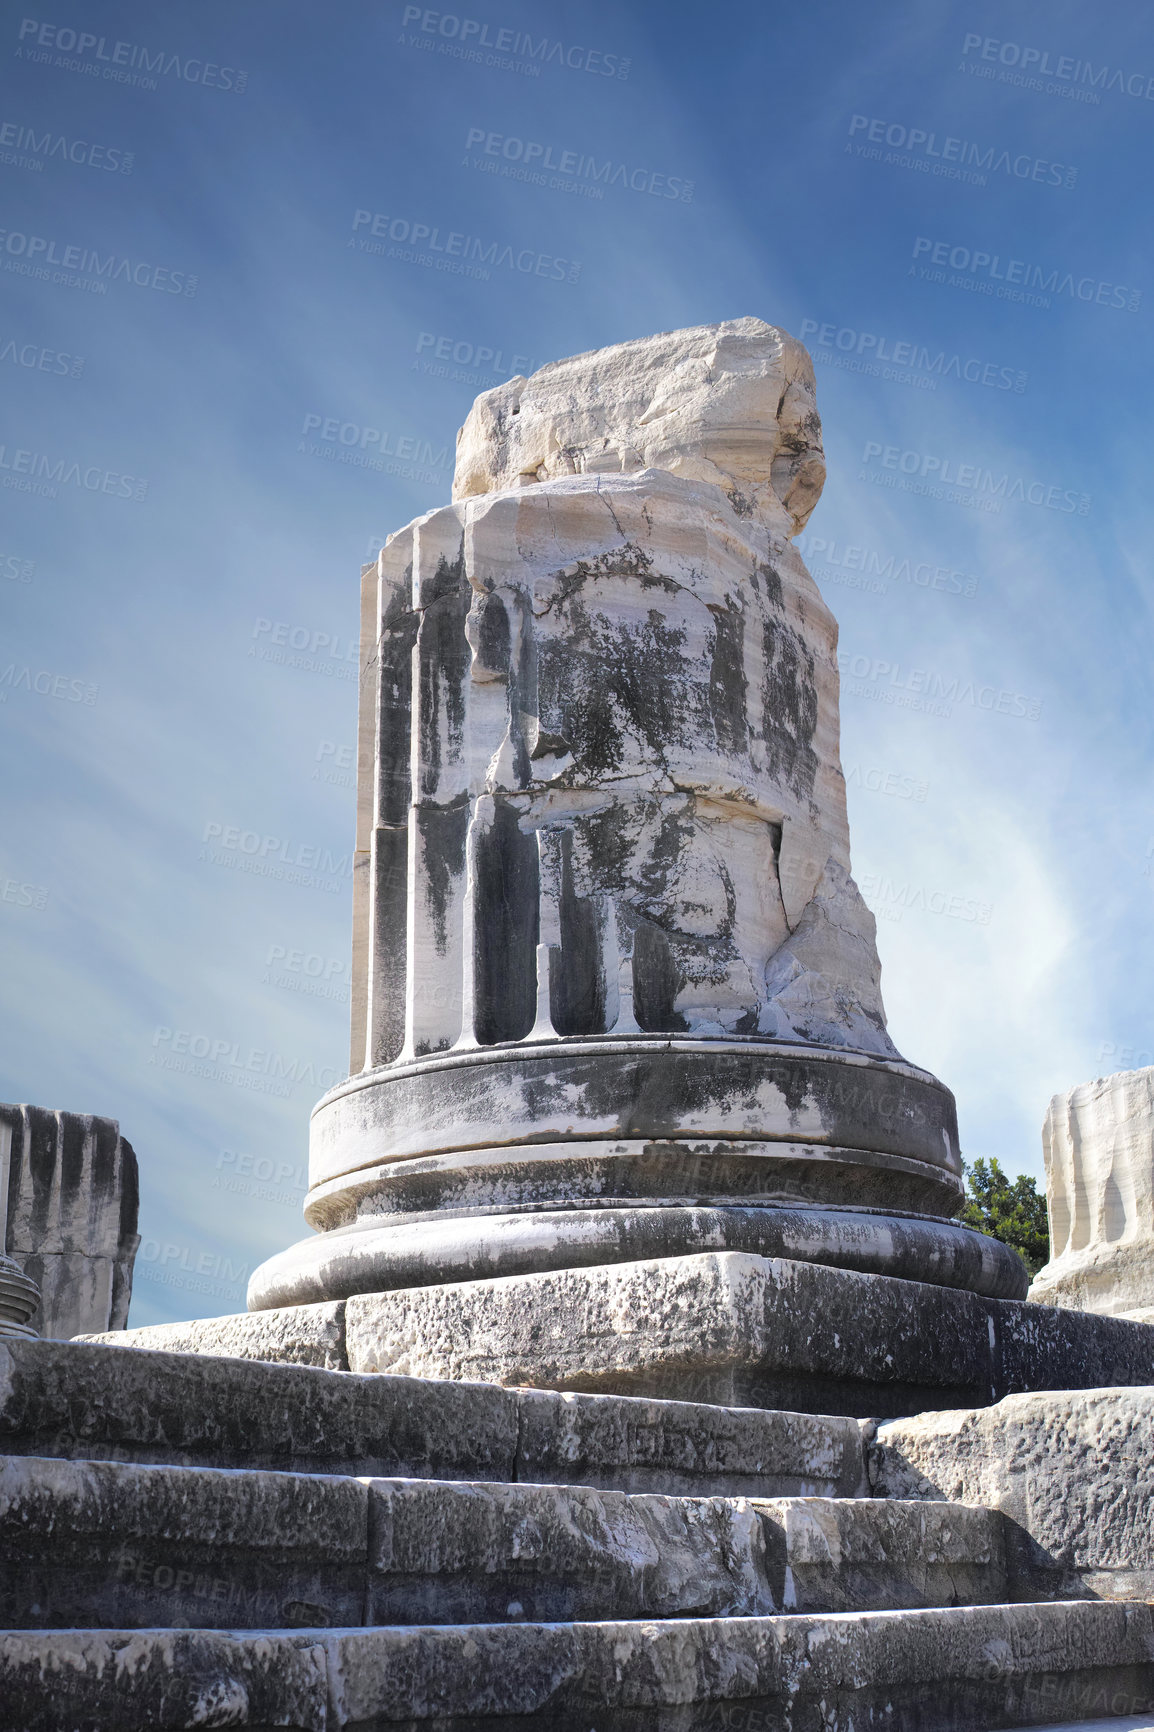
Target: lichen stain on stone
x,y
789,695
607,680
728,687
443,665
443,832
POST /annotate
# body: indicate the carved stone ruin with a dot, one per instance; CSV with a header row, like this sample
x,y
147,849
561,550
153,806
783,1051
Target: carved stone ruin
x,y
629,1214
1098,1144
616,994
70,1185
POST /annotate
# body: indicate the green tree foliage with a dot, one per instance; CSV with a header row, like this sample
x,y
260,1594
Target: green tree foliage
x,y
1013,1211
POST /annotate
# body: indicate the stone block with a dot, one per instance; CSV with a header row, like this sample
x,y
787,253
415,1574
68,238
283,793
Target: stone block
x,y
745,1331
465,1554
634,1444
162,1680
70,1181
848,1555
1072,1472
119,1544
294,1335
723,1328
96,1402
965,1668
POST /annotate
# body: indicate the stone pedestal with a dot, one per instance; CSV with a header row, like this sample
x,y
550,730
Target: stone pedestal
x,y
1098,1142
616,994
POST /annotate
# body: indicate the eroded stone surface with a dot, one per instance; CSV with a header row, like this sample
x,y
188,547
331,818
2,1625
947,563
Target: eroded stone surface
x,y
118,1544
733,405
1098,1143
294,1335
1073,1471
111,1544
72,1201
601,804
730,1328
97,1402
981,1666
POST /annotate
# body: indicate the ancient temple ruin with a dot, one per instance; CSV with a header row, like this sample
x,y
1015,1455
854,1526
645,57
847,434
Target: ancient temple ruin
x,y
636,1373
616,994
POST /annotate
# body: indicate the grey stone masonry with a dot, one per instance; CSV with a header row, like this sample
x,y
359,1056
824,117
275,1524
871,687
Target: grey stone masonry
x,y
960,1669
1072,1473
117,1545
97,1403
72,1199
723,1328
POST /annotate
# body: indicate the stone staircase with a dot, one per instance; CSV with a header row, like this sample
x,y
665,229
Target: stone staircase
x,y
220,1542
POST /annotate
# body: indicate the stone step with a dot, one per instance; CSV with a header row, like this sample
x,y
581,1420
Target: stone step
x,y
720,1327
118,1544
962,1669
1072,1473
94,1402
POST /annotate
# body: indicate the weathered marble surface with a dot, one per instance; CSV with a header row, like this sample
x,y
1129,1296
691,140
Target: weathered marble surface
x,y
98,1402
733,405
116,1544
730,1328
294,1335
377,1254
991,1665
608,949
72,1197
1073,1472
1098,1143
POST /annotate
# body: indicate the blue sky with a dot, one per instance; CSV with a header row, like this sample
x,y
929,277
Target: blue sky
x,y
947,202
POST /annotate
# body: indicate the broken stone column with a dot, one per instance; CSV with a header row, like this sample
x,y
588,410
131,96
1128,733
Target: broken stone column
x,y
1098,1144
616,994
72,1201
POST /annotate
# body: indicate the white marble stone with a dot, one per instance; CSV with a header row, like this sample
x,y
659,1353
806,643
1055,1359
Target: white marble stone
x,y
1098,1142
732,404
